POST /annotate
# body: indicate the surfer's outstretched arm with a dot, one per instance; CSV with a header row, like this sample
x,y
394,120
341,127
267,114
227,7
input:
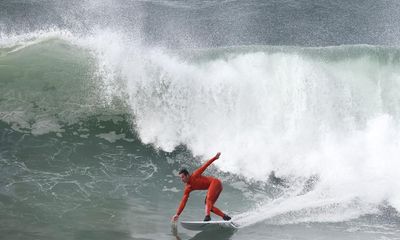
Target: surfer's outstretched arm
x,y
201,169
182,204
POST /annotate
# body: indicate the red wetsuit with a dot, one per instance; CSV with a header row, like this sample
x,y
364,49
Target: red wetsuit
x,y
200,182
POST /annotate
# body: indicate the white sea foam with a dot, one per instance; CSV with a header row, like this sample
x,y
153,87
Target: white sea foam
x,y
111,136
297,115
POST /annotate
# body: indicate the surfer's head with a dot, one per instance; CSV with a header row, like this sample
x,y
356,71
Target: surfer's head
x,y
184,174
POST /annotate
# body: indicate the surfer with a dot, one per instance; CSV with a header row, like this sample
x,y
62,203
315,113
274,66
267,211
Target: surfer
x,y
196,181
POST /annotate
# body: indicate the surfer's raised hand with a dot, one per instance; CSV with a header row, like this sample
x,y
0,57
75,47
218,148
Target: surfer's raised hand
x,y
217,156
175,218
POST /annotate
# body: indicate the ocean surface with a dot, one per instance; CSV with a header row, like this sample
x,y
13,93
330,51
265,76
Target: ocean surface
x,y
102,102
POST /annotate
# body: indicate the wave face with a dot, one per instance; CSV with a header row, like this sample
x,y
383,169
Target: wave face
x,y
48,81
326,114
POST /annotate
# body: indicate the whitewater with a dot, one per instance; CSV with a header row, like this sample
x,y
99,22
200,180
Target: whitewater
x,y
95,126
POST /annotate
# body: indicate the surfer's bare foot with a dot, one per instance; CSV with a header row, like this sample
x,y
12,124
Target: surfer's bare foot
x,y
207,218
226,217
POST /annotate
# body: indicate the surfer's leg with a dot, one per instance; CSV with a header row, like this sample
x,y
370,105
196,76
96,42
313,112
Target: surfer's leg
x,y
218,212
215,209
212,195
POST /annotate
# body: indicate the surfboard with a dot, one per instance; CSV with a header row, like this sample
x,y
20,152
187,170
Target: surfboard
x,y
209,225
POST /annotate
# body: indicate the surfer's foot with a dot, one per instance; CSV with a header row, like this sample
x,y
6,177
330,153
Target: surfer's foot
x,y
226,217
207,218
